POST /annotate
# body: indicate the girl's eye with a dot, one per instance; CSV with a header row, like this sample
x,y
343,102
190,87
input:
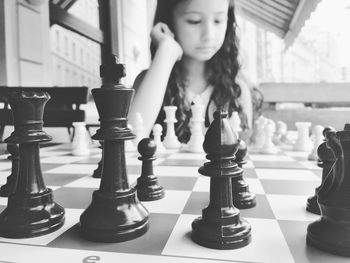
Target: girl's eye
x,y
219,21
193,22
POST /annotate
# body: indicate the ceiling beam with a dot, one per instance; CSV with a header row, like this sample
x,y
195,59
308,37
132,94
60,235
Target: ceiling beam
x,y
63,18
273,11
268,15
277,6
262,22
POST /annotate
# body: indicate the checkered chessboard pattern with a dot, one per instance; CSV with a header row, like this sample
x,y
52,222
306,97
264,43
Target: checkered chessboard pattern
x,y
281,182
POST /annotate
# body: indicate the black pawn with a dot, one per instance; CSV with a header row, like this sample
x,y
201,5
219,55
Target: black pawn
x,y
147,184
325,160
115,214
242,197
220,225
30,210
11,180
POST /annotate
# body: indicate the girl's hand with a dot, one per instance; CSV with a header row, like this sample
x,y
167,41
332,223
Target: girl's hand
x,y
162,35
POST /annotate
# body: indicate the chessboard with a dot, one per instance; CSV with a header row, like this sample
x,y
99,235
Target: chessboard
x,y
281,182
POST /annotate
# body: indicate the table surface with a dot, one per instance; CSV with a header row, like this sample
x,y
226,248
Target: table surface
x,y
281,182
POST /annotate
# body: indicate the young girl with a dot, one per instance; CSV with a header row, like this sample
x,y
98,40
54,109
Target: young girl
x,y
194,55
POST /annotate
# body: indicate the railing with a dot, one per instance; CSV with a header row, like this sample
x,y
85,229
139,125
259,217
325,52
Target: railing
x,y
326,104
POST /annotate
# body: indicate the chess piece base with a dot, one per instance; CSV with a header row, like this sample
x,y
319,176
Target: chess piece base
x,y
8,188
242,197
149,190
244,200
329,237
332,236
31,216
232,235
98,171
312,205
114,218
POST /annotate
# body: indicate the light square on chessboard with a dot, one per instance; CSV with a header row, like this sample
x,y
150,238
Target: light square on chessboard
x,y
270,158
71,217
3,176
73,168
268,243
29,254
176,171
3,202
50,153
187,155
184,159
172,203
203,185
290,207
287,174
63,159
312,165
5,165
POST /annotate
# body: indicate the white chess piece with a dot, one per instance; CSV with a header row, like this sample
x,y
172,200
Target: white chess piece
x,y
235,121
280,136
195,143
138,129
303,142
129,145
80,143
260,134
170,140
268,147
157,133
317,134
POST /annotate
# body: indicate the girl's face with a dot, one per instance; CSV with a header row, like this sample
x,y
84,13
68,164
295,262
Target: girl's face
x,y
200,27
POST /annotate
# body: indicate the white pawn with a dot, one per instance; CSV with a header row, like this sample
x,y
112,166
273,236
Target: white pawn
x,y
303,142
317,134
170,140
80,143
280,136
195,143
138,129
235,120
268,146
259,134
157,133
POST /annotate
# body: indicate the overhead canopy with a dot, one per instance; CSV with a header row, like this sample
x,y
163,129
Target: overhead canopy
x,y
285,18
64,4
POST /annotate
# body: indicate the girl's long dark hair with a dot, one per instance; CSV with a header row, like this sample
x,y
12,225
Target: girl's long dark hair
x,y
221,71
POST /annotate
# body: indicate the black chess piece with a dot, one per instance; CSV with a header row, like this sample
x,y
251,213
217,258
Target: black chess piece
x,y
220,225
30,210
331,232
242,197
325,160
147,185
11,180
115,213
98,171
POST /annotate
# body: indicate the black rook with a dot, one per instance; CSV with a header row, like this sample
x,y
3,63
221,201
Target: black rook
x,y
31,210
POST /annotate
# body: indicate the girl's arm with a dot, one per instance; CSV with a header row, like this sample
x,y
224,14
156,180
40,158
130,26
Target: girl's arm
x,y
151,89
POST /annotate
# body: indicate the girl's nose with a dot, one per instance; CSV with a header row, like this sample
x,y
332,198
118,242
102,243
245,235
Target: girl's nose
x,y
208,31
